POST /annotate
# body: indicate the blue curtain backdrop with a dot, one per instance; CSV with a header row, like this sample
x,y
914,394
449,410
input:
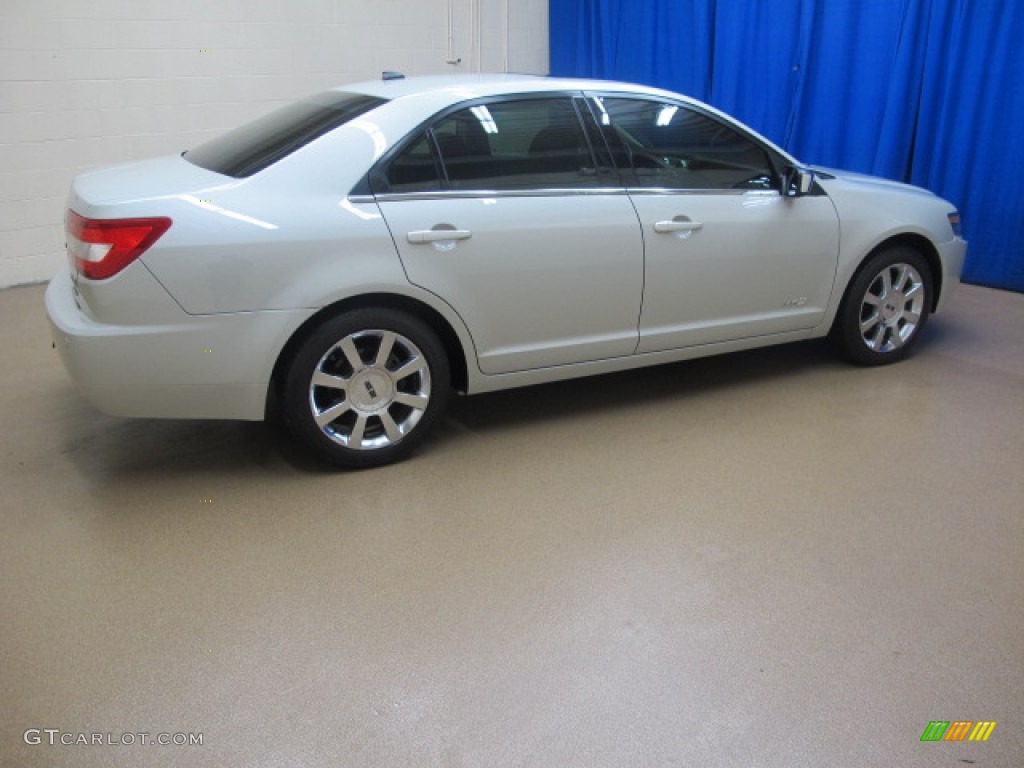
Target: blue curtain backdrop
x,y
925,91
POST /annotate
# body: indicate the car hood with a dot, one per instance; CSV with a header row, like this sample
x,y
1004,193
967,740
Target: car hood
x,y
827,177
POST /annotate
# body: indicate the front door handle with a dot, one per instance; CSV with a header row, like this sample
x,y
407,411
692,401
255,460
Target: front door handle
x,y
438,235
678,224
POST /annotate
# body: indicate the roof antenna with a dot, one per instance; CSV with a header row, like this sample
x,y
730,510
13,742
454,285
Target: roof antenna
x,y
388,74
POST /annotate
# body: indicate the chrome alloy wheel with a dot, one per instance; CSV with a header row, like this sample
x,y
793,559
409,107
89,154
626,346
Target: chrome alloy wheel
x,y
370,389
892,308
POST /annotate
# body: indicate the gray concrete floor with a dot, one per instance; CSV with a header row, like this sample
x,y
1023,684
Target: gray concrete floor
x,y
766,559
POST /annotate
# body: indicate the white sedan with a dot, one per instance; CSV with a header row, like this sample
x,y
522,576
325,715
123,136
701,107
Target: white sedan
x,y
358,254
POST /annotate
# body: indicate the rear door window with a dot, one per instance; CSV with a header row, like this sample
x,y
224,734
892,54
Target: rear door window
x,y
517,144
499,145
415,169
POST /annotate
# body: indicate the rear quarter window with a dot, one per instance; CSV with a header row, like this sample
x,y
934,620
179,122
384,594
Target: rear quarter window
x,y
254,146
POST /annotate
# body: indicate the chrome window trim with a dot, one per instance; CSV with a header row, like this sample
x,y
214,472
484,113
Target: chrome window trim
x,y
471,194
468,194
673,191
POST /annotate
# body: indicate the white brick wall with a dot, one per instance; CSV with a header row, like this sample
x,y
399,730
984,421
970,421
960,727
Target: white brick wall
x,y
85,84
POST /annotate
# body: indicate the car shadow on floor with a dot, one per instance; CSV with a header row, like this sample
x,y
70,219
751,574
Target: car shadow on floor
x,y
640,387
105,447
670,382
101,445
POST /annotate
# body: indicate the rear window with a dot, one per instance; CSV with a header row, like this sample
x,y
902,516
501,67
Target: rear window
x,y
254,146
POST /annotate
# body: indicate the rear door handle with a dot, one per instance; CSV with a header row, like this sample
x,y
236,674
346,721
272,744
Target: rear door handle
x,y
678,224
438,235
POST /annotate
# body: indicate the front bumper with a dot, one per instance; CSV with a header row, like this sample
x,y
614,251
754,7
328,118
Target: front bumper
x,y
194,367
952,254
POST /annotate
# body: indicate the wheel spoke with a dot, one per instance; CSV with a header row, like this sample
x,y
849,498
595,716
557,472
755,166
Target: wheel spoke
x,y
355,439
901,277
415,365
870,298
912,317
419,402
387,343
393,432
914,290
348,347
326,417
871,322
321,379
879,340
886,283
897,338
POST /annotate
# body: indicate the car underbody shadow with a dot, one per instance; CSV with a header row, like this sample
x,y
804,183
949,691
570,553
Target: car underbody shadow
x,y
103,447
667,383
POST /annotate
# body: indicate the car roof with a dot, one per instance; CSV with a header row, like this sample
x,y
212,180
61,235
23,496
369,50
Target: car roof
x,y
464,87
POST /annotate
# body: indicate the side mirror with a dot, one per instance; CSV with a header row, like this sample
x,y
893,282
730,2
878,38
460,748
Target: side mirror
x,y
798,181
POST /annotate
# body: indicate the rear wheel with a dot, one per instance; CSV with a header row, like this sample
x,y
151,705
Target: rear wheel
x,y
365,387
885,308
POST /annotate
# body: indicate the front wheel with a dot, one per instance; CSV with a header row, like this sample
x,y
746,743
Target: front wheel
x,y
364,388
885,308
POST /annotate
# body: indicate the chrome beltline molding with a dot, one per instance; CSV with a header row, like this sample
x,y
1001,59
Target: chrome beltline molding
x,y
491,193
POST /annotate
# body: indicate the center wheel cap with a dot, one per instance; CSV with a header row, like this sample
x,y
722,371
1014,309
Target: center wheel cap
x,y
371,391
891,311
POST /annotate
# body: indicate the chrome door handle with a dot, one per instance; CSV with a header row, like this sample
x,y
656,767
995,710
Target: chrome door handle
x,y
438,235
677,225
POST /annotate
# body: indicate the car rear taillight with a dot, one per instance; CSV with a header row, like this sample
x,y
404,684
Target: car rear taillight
x,y
103,247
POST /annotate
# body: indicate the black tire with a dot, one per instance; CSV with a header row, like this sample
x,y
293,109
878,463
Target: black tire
x,y
886,307
365,411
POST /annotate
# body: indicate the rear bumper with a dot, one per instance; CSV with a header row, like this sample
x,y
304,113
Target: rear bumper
x,y
196,367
